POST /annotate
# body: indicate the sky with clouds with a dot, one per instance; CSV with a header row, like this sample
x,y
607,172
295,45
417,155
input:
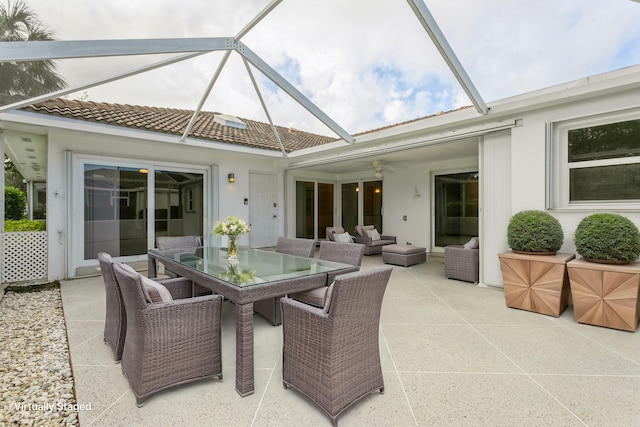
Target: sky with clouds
x,y
365,63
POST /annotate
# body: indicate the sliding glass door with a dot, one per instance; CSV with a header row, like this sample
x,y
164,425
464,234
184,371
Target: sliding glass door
x,y
314,208
456,208
126,207
372,204
350,193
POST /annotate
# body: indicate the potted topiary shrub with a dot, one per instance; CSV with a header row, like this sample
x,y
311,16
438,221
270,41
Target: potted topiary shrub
x,y
605,282
607,238
534,274
535,232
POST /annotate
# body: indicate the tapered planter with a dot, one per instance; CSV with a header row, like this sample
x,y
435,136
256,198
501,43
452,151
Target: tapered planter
x,y
537,283
605,294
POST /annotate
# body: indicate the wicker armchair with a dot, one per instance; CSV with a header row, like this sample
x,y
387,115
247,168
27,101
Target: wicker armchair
x,y
115,322
166,243
270,308
372,247
461,263
168,343
348,253
331,354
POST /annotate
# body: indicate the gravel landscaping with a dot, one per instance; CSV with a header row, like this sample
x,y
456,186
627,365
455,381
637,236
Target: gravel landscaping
x,y
36,382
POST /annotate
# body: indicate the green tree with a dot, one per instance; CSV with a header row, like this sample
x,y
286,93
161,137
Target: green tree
x,y
12,177
19,80
15,202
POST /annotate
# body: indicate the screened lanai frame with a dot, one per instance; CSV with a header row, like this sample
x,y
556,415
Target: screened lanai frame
x,y
188,48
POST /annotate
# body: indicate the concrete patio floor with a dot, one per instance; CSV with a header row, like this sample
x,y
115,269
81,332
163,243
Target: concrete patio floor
x,y
452,354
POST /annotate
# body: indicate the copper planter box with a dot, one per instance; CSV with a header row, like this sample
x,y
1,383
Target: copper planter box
x,y
537,283
605,294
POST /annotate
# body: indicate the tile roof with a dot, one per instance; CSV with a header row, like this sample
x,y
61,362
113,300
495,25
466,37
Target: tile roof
x,y
174,122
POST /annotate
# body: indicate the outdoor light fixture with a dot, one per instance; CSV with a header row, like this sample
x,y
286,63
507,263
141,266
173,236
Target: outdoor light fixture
x,y
232,178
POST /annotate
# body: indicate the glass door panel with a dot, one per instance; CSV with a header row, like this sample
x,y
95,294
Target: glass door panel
x,y
350,206
372,204
456,208
178,203
305,206
115,199
325,208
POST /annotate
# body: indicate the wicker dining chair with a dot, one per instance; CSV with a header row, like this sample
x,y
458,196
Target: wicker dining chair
x,y
347,253
115,322
270,308
167,243
168,342
331,353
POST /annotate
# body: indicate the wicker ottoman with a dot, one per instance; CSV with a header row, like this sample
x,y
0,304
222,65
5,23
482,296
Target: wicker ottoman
x,y
404,255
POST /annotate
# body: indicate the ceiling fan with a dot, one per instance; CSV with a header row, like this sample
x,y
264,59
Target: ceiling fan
x,y
380,169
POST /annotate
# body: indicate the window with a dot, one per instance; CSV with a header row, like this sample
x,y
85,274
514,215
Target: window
x,y
597,162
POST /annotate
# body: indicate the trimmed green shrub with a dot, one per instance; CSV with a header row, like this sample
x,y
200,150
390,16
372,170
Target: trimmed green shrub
x,y
15,202
24,225
534,231
609,237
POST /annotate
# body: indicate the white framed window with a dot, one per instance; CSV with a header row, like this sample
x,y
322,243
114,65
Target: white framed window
x,y
594,162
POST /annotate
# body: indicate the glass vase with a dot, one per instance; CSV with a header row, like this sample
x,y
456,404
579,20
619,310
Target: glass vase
x,y
232,251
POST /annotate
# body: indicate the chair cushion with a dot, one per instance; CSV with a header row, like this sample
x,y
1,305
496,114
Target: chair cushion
x,y
381,242
316,297
373,234
473,243
328,297
342,238
153,291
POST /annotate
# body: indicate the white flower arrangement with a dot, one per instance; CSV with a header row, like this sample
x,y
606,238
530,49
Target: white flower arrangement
x,y
231,226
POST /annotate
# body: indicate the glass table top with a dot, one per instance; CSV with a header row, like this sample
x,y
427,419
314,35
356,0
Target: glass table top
x,y
252,266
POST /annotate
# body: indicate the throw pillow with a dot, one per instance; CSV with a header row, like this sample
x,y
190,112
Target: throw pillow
x,y
342,238
155,291
373,234
473,243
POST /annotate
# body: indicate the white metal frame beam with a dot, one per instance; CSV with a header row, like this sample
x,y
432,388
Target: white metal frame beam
x,y
440,41
52,50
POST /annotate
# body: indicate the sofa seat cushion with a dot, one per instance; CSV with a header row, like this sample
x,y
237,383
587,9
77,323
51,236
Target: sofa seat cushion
x,y
381,242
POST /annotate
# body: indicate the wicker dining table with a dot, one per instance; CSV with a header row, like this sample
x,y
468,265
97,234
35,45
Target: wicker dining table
x,y
254,275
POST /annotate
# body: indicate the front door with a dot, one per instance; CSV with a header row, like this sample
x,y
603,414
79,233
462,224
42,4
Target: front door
x,y
263,210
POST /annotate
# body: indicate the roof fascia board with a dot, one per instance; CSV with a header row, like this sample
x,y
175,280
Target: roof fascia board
x,y
404,142
589,87
440,41
30,120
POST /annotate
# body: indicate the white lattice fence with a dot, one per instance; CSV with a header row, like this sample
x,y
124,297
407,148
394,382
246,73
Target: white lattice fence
x,y
24,256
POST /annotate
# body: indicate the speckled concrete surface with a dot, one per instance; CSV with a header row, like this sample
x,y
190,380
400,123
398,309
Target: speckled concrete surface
x,y
452,354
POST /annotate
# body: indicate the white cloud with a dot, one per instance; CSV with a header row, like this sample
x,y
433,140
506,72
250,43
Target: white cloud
x,y
366,63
